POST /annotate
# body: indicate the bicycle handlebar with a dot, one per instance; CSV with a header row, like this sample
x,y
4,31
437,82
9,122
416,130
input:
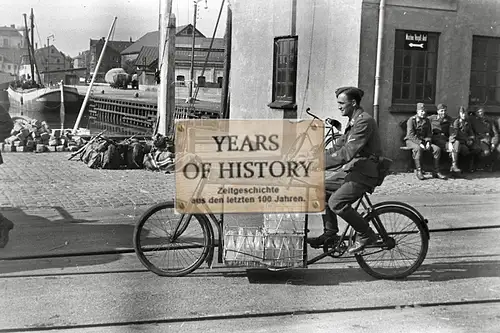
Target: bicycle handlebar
x,y
329,121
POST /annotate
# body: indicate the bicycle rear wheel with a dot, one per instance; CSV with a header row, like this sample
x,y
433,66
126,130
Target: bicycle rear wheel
x,y
404,251
170,244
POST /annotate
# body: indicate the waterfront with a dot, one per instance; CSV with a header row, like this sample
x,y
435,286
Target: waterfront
x,y
129,110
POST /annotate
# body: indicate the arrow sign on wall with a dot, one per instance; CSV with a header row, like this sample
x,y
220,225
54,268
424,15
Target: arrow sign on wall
x,y
415,40
416,45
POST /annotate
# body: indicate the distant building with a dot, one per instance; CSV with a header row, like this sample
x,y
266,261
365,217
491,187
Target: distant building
x,y
82,60
111,58
11,38
47,59
143,54
12,48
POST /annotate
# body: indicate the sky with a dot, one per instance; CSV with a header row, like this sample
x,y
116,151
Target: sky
x,y
74,22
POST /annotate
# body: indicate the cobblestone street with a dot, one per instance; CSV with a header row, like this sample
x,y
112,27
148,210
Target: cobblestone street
x,y
49,179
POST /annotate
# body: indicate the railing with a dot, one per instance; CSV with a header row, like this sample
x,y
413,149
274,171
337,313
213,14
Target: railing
x,y
131,117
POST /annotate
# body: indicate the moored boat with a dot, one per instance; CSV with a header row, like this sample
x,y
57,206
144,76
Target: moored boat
x,y
44,104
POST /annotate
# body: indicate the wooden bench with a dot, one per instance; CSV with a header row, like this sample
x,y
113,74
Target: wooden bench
x,y
409,160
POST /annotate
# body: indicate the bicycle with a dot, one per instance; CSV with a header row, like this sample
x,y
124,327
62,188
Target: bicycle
x,y
402,238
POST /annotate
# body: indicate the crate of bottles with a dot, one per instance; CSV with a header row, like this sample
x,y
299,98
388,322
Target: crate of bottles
x,y
278,242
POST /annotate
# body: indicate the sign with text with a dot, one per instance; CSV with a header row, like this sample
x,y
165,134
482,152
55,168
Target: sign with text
x,y
249,166
415,40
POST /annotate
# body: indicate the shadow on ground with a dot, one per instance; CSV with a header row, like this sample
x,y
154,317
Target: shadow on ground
x,y
444,271
35,239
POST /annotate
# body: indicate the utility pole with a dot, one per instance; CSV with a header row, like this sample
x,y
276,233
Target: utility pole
x,y
225,112
191,70
166,62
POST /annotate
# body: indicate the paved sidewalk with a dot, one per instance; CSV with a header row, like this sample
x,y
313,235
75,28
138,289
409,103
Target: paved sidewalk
x,y
49,179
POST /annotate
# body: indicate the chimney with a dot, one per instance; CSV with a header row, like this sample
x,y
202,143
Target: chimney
x,y
36,45
131,39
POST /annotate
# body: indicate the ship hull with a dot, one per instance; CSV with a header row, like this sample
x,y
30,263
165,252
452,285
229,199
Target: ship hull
x,y
44,104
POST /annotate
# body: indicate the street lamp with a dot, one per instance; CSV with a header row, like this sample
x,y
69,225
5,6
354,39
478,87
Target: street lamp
x,y
191,71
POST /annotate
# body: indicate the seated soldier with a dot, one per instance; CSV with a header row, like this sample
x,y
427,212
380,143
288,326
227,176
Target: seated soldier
x,y
486,137
462,138
418,138
440,126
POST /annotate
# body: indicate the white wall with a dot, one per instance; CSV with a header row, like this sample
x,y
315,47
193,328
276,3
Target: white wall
x,y
328,55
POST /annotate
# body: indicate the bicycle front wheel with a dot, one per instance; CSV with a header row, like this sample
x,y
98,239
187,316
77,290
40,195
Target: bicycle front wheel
x,y
405,249
170,244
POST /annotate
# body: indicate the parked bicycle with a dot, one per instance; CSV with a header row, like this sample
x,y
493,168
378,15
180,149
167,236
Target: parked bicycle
x,y
170,244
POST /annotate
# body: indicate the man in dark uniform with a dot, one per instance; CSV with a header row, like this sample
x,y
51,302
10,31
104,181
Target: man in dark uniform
x,y
357,151
462,138
440,126
6,125
418,138
487,137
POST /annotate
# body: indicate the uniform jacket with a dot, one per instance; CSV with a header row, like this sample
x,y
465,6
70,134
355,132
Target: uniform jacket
x,y
461,131
440,125
418,130
6,125
485,129
357,150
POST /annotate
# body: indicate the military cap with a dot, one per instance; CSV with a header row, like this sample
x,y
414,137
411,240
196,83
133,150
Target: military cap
x,y
420,106
350,90
442,106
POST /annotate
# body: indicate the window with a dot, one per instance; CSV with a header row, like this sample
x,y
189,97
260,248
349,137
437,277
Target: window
x,y
284,72
180,80
485,71
5,42
415,70
219,81
201,81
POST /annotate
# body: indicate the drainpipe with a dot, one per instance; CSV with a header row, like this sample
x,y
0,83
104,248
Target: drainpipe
x,y
376,93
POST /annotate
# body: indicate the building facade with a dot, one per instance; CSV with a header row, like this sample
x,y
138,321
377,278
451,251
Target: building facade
x,y
433,51
12,48
144,56
111,58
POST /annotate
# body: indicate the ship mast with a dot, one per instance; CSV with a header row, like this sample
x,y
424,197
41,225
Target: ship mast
x,y
33,64
29,48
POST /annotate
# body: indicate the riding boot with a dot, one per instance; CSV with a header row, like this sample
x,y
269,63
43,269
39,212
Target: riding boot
x,y
454,165
472,163
418,170
330,230
436,173
362,241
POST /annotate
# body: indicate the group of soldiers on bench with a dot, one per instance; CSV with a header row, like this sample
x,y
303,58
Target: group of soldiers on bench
x,y
473,136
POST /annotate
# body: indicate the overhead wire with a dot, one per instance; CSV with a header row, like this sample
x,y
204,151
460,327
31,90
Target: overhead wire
x,y
306,89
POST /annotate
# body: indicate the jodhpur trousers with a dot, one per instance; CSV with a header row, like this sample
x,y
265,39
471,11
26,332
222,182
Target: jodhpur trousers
x,y
341,195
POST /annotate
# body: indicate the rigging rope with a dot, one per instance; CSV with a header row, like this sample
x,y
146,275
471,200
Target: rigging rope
x,y
209,49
